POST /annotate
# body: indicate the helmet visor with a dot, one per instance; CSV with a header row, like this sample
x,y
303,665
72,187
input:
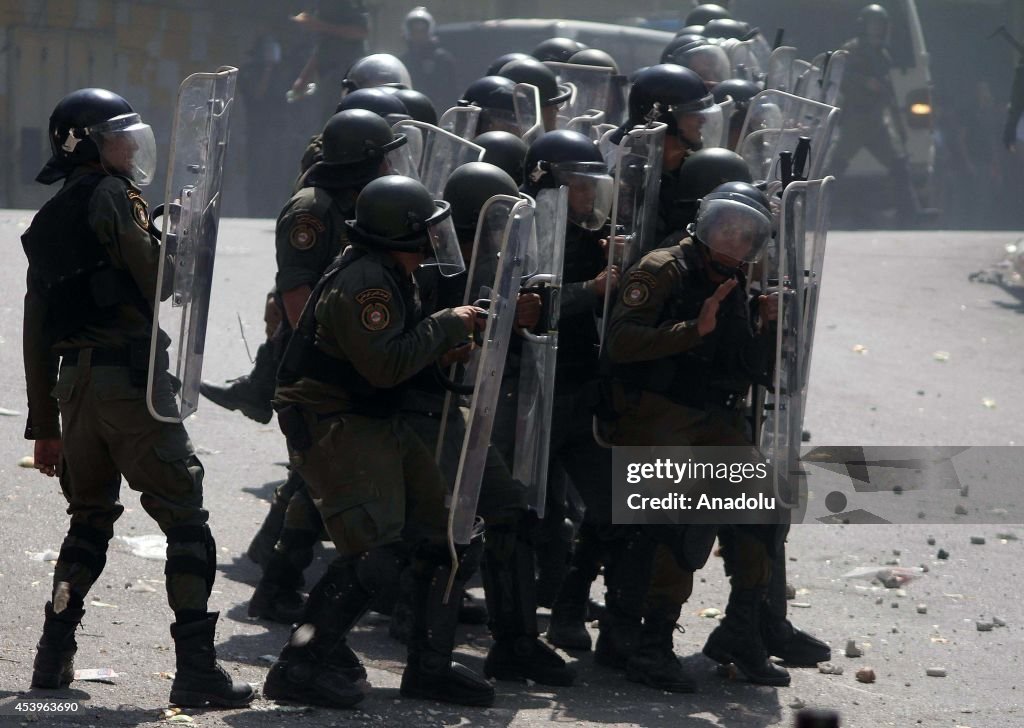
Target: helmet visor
x,y
127,147
591,190
733,229
445,242
700,127
709,62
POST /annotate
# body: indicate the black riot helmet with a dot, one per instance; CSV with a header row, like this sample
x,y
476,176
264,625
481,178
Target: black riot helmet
x,y
690,30
702,14
490,92
504,150
729,28
535,73
594,57
557,49
418,105
706,169
357,135
740,90
748,190
677,97
873,23
354,144
685,40
398,213
709,60
503,60
70,141
733,224
569,158
472,185
386,105
377,69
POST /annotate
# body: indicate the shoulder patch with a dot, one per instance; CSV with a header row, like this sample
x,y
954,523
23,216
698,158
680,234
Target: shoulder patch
x,y
375,316
373,294
638,290
302,237
140,212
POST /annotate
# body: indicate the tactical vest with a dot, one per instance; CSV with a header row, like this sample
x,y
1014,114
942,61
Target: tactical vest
x,y
303,359
71,267
708,373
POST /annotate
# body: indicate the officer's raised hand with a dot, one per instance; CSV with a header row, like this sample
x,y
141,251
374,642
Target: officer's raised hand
x,y
528,308
708,317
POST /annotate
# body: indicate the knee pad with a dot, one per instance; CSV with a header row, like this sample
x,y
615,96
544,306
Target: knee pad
x,y
87,546
204,566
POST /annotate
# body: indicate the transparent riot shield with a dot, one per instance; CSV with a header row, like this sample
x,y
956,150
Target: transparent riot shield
x,y
781,72
592,84
192,200
775,123
832,77
794,267
442,153
587,123
635,164
461,121
746,57
510,261
526,99
536,396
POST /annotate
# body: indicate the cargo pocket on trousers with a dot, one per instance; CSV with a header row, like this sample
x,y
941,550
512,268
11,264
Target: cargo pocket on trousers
x,y
174,449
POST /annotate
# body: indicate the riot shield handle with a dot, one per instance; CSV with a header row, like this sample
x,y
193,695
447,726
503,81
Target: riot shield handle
x,y
800,157
779,35
539,283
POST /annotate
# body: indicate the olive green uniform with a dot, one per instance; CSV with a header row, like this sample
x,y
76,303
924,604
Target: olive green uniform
x,y
373,480
99,391
676,387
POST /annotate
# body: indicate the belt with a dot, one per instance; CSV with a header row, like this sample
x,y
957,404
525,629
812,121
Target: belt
x,y
96,357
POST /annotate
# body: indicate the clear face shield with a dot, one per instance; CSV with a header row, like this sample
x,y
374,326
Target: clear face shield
x,y
700,127
710,62
445,242
127,147
591,191
734,230
499,120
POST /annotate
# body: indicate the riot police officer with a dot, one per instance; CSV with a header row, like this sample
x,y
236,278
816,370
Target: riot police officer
x,y
510,530
685,384
495,96
310,233
92,273
359,341
677,97
535,73
433,69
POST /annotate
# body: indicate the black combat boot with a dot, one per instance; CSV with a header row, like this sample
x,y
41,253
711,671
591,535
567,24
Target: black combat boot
x,y
737,639
628,578
654,661
317,667
277,596
54,666
781,639
517,652
198,680
553,557
251,393
572,608
269,533
430,672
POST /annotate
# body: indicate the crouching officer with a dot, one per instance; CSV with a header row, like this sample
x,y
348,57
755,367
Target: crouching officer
x,y
684,351
358,342
92,273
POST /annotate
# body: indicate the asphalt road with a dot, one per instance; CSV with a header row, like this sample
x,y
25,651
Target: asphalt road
x,y
891,301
